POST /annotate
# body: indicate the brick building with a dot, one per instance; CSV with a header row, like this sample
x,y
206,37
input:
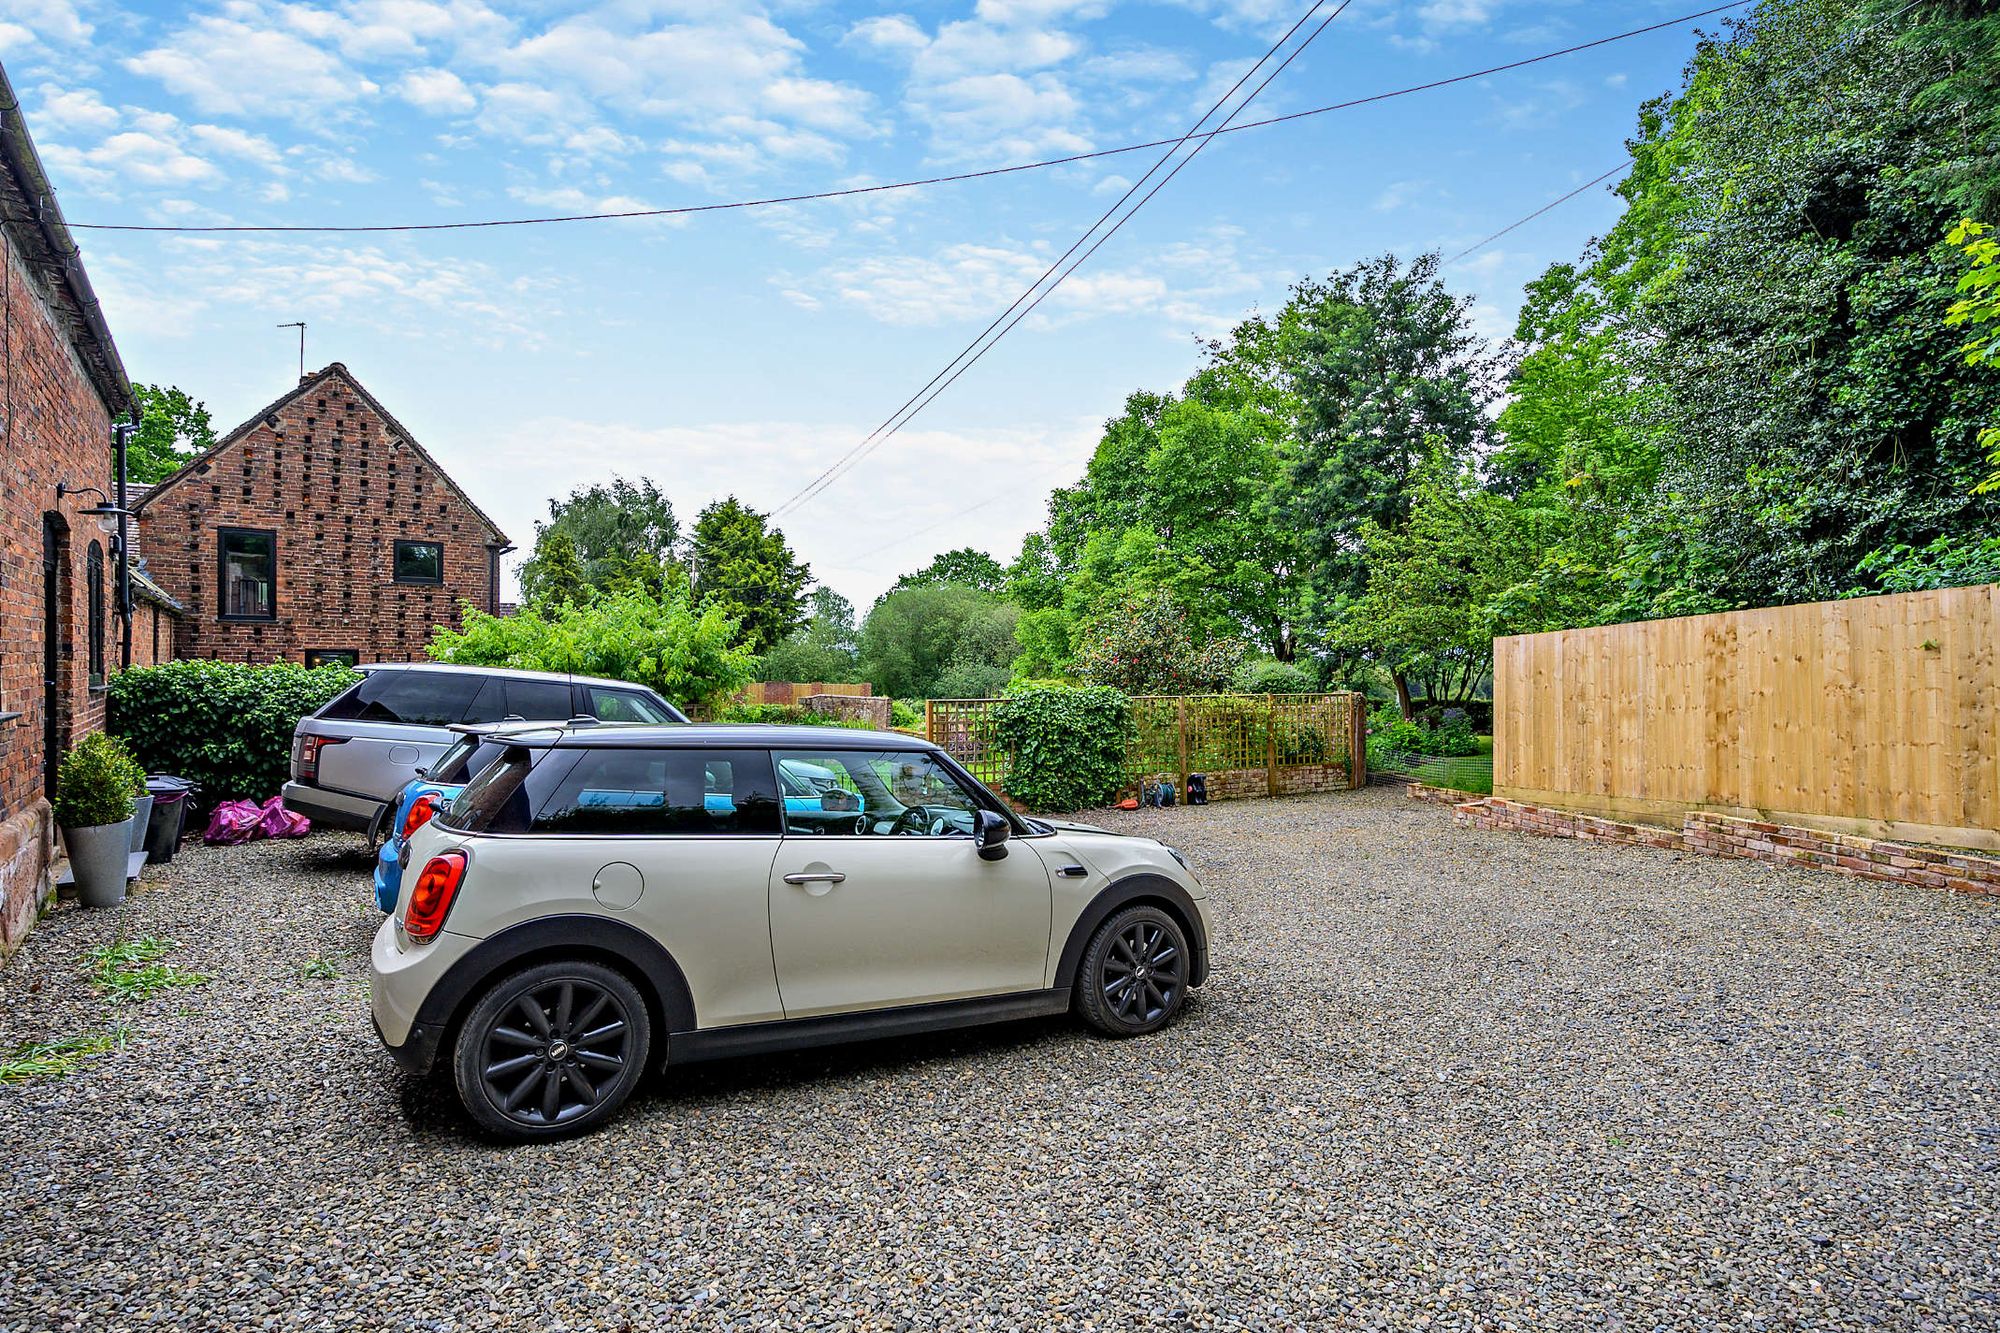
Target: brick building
x,y
316,531
61,385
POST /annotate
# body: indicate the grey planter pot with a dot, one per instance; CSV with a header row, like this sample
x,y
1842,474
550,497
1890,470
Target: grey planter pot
x,y
97,857
142,815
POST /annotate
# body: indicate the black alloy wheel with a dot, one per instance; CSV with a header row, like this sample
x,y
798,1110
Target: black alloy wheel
x,y
552,1050
1134,974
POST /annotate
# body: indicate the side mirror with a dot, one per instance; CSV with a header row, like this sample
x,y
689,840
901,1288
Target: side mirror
x,y
989,834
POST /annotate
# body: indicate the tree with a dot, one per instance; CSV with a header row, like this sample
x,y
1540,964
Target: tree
x,y
1387,368
553,576
624,533
173,429
825,650
692,656
967,566
744,566
914,637
1978,306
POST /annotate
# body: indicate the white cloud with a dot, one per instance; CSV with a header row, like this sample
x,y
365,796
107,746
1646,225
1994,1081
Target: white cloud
x,y
1399,194
234,66
140,157
24,21
238,143
438,91
71,110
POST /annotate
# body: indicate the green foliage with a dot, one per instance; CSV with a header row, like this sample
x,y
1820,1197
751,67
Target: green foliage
x,y
224,726
1066,747
915,637
553,576
318,969
96,781
788,715
603,535
693,657
54,1059
173,429
1265,676
1978,305
742,565
902,715
1948,562
1147,646
967,566
826,649
128,971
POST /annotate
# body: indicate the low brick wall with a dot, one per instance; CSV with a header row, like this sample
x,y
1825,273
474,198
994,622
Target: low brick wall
x,y
1751,839
1418,791
1231,784
27,848
1492,812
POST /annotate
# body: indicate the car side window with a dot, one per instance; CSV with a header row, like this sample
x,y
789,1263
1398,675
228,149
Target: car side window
x,y
625,706
873,793
621,790
414,698
503,697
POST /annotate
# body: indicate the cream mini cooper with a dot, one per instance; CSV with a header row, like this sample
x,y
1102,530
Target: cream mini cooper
x,y
600,899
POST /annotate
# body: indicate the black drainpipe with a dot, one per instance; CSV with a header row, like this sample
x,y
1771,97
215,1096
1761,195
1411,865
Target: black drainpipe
x,y
123,435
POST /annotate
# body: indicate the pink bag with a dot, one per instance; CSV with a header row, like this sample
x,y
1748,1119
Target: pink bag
x,y
232,822
278,822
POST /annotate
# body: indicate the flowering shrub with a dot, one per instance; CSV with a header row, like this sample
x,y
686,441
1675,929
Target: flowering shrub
x,y
1146,646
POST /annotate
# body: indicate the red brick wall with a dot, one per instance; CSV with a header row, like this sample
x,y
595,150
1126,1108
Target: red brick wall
x,y
1728,835
53,428
339,486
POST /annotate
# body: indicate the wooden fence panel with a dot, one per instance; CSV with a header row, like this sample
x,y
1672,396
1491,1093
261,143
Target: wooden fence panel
x,y
1875,715
785,692
1242,744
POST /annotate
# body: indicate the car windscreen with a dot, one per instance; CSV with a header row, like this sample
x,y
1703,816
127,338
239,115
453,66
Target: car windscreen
x,y
467,756
415,698
636,790
503,796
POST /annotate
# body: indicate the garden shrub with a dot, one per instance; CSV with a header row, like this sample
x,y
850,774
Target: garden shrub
x,y
691,655
1271,677
224,726
1454,736
787,715
1066,746
1149,646
905,716
96,781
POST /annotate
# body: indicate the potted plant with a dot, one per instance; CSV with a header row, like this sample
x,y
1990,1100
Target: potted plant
x,y
94,806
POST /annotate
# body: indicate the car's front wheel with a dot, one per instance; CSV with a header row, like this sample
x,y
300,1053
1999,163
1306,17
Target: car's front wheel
x,y
552,1050
1134,976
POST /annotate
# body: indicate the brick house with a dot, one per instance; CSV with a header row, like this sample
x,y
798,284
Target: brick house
x,y
61,385
319,530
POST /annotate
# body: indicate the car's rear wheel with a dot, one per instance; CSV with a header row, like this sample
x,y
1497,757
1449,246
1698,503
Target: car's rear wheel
x,y
1134,975
552,1050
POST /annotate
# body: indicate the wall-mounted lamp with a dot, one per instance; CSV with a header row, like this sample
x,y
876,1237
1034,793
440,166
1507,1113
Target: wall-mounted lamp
x,y
106,513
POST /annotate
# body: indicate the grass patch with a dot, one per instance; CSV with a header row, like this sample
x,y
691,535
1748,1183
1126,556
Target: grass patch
x,y
318,969
54,1059
128,971
1468,773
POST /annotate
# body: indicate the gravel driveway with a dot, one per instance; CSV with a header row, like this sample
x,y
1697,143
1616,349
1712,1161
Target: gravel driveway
x,y
1440,1079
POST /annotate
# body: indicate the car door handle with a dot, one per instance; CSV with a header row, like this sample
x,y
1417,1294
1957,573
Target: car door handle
x,y
815,877
1073,872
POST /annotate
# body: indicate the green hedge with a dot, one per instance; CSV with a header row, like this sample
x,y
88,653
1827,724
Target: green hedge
x,y
1066,746
222,725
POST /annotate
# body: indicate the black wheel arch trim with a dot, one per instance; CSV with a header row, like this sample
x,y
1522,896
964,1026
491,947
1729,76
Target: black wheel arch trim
x,y
601,939
1123,893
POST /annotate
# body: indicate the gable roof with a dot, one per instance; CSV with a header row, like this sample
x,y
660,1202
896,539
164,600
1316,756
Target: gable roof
x,y
332,370
49,252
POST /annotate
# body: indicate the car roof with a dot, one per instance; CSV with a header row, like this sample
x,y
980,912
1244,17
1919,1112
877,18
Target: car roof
x,y
717,735
512,673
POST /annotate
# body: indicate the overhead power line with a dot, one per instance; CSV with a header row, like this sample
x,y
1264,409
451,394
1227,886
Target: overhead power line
x,y
850,192
975,351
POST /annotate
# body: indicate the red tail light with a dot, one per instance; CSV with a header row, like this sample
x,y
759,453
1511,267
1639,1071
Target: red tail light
x,y
431,899
309,748
420,814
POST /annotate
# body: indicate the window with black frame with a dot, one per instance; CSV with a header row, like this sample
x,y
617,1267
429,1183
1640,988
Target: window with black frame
x,y
419,562
247,578
94,577
319,657
633,791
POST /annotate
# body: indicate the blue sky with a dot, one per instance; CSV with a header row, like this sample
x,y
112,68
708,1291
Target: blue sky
x,y
743,351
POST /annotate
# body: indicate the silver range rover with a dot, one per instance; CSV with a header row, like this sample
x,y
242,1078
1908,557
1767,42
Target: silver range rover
x,y
353,757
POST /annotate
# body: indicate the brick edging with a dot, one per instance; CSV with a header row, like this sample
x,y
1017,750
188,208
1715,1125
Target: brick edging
x,y
1751,839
